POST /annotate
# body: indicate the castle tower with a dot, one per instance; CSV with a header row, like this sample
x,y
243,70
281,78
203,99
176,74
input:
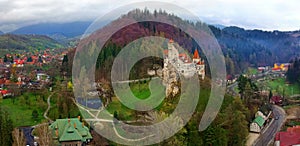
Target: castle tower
x,y
172,51
196,58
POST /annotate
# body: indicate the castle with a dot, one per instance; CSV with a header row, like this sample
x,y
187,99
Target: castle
x,y
182,63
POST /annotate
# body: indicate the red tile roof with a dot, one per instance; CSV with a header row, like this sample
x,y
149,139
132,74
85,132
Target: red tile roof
x,y
276,98
290,137
196,54
2,81
183,55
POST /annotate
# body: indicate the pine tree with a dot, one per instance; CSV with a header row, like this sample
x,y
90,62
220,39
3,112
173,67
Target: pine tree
x,y
5,58
6,129
237,125
270,95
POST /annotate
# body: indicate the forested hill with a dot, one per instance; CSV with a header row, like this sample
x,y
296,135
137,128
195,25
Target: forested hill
x,y
242,48
27,42
282,45
241,52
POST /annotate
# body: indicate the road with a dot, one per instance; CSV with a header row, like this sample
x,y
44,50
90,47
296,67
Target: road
x,y
230,88
27,133
268,134
28,130
130,81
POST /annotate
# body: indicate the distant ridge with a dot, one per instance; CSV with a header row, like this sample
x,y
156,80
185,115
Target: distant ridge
x,y
28,42
68,30
219,26
1,33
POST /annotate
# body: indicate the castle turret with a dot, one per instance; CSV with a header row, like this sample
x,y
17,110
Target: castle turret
x,y
196,58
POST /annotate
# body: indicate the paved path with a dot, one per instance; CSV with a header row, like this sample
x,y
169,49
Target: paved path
x,y
94,118
131,81
27,133
49,106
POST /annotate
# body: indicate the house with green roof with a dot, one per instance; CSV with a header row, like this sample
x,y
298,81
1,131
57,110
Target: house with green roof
x,y
257,124
70,132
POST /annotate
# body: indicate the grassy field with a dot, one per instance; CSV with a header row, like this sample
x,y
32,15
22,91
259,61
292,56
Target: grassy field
x,y
20,109
236,89
279,85
141,90
252,71
123,112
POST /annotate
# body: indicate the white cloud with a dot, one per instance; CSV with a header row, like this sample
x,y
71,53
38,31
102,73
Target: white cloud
x,y
261,14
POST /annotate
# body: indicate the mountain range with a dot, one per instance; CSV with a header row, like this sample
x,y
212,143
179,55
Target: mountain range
x,y
55,30
242,48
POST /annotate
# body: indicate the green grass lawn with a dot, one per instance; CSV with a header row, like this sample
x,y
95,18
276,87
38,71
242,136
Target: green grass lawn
x,y
123,111
20,109
252,71
141,91
279,85
236,89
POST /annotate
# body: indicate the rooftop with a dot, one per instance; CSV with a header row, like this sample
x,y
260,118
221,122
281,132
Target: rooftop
x,y
259,120
70,130
289,137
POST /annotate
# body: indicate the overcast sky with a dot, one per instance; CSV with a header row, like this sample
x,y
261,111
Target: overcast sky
x,y
252,14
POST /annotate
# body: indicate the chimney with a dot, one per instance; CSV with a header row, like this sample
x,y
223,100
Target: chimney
x,y
79,118
75,125
82,124
69,120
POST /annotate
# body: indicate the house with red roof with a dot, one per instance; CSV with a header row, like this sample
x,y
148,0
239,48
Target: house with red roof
x,y
18,62
5,93
291,137
281,67
276,100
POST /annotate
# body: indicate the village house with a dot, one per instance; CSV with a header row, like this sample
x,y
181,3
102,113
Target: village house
x,y
261,118
257,124
5,93
231,79
276,100
70,132
290,137
259,113
18,63
283,67
263,68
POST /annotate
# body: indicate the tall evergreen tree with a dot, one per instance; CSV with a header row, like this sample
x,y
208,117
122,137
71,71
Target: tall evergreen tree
x,y
6,129
5,58
270,95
